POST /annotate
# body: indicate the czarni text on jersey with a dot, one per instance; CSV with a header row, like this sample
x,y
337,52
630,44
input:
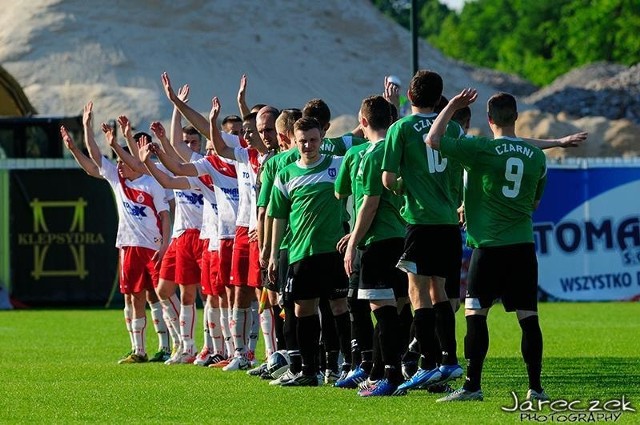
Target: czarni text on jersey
x,y
509,147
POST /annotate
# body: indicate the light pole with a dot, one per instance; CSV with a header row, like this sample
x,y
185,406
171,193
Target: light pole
x,y
414,36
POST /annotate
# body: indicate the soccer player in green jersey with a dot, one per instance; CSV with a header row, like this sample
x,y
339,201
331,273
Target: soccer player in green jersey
x,y
359,310
303,197
340,340
284,129
378,235
433,244
362,331
505,181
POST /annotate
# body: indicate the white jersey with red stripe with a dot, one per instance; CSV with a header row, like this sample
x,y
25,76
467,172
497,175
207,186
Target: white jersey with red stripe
x,y
139,203
225,180
189,207
209,228
248,165
253,222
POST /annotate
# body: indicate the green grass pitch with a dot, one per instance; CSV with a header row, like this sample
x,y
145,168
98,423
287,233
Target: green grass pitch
x,y
59,366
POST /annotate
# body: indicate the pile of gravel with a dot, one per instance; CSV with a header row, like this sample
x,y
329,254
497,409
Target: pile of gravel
x,y
601,89
501,81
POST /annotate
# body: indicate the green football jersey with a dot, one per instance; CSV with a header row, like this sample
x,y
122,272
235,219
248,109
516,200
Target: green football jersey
x,y
387,223
340,145
505,177
348,170
305,196
432,182
269,170
333,146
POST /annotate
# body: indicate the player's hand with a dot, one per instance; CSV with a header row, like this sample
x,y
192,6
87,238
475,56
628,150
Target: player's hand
x,y
125,126
391,92
243,88
215,109
158,130
573,140
158,255
399,188
272,269
465,98
143,151
349,257
253,235
264,258
87,114
462,221
342,243
66,138
154,148
108,133
183,93
144,140
166,85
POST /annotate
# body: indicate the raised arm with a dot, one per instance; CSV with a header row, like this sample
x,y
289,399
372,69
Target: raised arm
x,y
132,161
181,149
465,98
83,161
125,128
570,141
165,180
198,121
176,167
89,140
391,92
242,101
158,130
219,145
130,158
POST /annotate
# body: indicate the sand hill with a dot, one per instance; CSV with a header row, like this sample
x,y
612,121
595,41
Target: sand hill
x,y
65,52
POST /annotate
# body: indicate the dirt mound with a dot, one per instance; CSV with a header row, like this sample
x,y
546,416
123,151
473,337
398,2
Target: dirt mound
x,y
64,53
607,138
509,83
607,90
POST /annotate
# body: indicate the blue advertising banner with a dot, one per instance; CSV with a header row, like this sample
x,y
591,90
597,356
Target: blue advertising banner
x,y
587,232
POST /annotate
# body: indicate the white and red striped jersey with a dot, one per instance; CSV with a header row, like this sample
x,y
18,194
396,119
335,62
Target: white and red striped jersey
x,y
248,160
209,228
225,180
139,203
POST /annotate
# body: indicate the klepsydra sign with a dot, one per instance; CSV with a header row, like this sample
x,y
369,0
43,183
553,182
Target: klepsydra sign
x,y
62,233
587,231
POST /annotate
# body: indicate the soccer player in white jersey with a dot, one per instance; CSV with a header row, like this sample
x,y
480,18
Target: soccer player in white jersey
x,y
212,314
225,181
248,278
167,308
211,289
143,230
205,187
160,325
181,264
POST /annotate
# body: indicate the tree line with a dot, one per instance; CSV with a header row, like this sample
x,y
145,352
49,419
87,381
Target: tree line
x,y
536,39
